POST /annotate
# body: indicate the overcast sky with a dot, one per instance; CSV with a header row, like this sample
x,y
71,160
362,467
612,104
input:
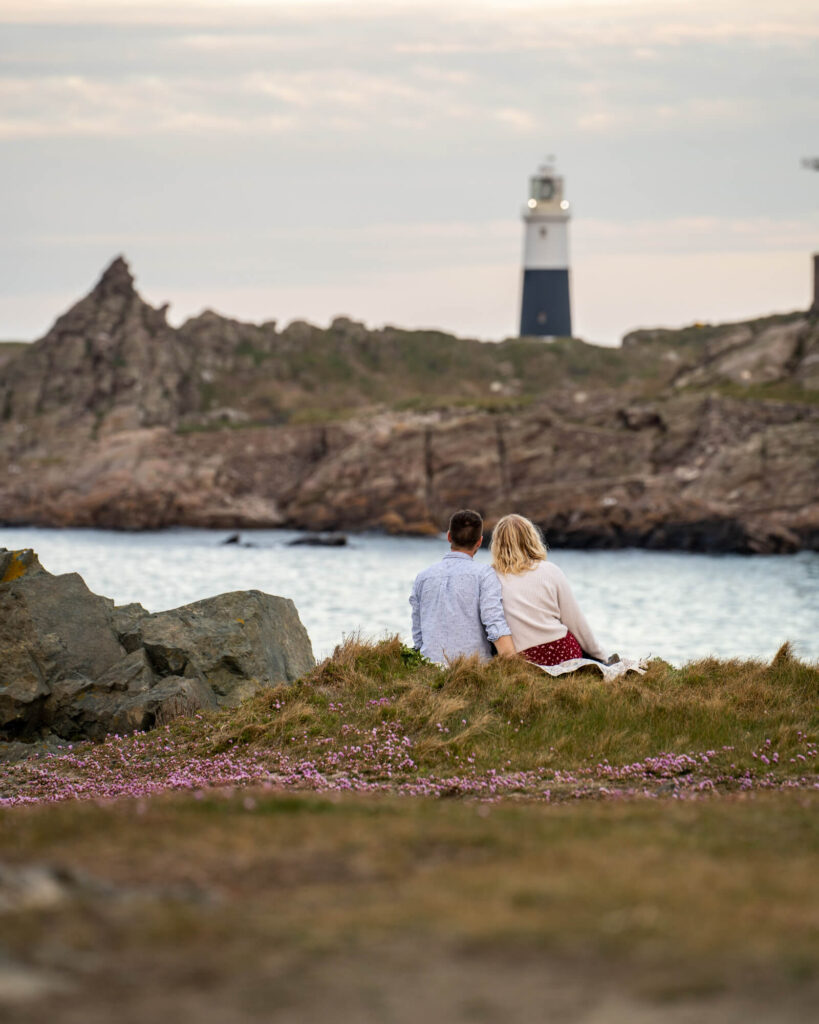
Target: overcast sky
x,y
279,160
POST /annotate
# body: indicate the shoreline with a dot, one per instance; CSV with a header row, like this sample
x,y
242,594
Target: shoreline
x,y
555,539
676,605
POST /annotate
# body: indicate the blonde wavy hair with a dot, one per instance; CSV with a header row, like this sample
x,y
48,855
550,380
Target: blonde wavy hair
x,y
517,545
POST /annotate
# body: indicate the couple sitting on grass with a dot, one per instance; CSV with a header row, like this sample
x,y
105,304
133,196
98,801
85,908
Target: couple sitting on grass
x,y
522,604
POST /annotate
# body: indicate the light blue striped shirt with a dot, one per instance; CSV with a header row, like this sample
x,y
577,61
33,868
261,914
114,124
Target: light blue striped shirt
x,y
456,609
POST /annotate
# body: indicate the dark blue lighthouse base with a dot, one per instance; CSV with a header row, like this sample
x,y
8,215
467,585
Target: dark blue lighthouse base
x,y
545,308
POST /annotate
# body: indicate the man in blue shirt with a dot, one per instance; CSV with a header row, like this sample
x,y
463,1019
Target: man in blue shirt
x,y
456,603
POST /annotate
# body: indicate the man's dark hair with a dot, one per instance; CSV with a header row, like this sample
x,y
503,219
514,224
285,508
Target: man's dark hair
x,y
465,528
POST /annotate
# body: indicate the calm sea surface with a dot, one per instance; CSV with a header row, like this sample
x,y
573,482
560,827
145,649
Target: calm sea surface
x,y
675,606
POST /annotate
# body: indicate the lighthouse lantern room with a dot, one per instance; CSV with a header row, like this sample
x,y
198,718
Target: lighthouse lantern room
x,y
545,309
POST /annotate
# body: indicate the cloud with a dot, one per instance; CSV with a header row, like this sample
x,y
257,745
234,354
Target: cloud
x,y
341,101
606,118
281,69
374,149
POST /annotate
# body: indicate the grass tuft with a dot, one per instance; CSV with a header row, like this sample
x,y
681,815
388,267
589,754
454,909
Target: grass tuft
x,y
510,712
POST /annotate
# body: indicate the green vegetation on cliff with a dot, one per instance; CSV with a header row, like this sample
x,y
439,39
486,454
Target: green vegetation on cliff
x,y
308,374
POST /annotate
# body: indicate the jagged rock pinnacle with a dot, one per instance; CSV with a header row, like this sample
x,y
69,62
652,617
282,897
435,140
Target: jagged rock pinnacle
x,y
117,279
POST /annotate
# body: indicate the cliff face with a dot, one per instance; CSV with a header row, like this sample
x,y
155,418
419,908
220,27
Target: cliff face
x,y
704,438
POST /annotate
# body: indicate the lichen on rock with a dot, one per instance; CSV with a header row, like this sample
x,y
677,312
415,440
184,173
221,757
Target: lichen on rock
x,y
14,564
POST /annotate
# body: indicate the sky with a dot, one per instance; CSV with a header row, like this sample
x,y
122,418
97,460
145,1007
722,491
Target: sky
x,y
279,160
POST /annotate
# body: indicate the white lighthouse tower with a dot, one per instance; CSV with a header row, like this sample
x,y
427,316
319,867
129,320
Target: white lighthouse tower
x,y
545,307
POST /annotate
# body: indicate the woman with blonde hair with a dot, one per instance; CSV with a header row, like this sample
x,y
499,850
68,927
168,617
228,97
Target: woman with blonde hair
x,y
547,624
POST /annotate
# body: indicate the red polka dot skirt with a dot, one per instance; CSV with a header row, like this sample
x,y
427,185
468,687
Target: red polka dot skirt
x,y
555,652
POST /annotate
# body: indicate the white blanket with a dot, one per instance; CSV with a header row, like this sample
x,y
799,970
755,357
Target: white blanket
x,y
609,672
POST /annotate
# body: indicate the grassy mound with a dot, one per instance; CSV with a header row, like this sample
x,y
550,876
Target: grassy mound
x,y
511,713
376,718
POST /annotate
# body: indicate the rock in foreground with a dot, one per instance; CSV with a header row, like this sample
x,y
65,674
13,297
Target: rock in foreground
x,y
76,666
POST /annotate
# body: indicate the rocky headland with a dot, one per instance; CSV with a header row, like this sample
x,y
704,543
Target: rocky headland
x,y
705,438
76,666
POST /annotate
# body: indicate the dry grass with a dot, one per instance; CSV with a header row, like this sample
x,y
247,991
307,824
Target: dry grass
x,y
509,711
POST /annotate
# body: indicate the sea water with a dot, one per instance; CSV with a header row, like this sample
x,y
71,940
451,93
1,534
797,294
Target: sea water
x,y
665,604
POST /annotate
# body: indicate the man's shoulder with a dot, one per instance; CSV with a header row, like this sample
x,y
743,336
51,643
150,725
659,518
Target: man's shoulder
x,y
486,572
431,570
469,567
455,567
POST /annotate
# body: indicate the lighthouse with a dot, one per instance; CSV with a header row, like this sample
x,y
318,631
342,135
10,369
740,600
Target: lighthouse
x,y
545,308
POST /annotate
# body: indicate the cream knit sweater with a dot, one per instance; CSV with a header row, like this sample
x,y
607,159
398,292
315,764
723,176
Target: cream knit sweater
x,y
540,607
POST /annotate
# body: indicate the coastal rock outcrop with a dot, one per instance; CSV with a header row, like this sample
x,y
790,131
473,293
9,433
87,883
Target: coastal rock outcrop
x,y
700,439
230,642
76,666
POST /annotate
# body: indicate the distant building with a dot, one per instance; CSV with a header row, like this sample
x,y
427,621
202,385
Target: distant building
x,y
545,308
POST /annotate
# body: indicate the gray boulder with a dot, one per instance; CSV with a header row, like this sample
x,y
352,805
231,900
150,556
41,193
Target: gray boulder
x,y
74,665
171,697
127,619
126,697
55,636
235,642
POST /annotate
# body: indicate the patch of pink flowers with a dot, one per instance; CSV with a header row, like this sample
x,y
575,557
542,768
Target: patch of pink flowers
x,y
375,760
